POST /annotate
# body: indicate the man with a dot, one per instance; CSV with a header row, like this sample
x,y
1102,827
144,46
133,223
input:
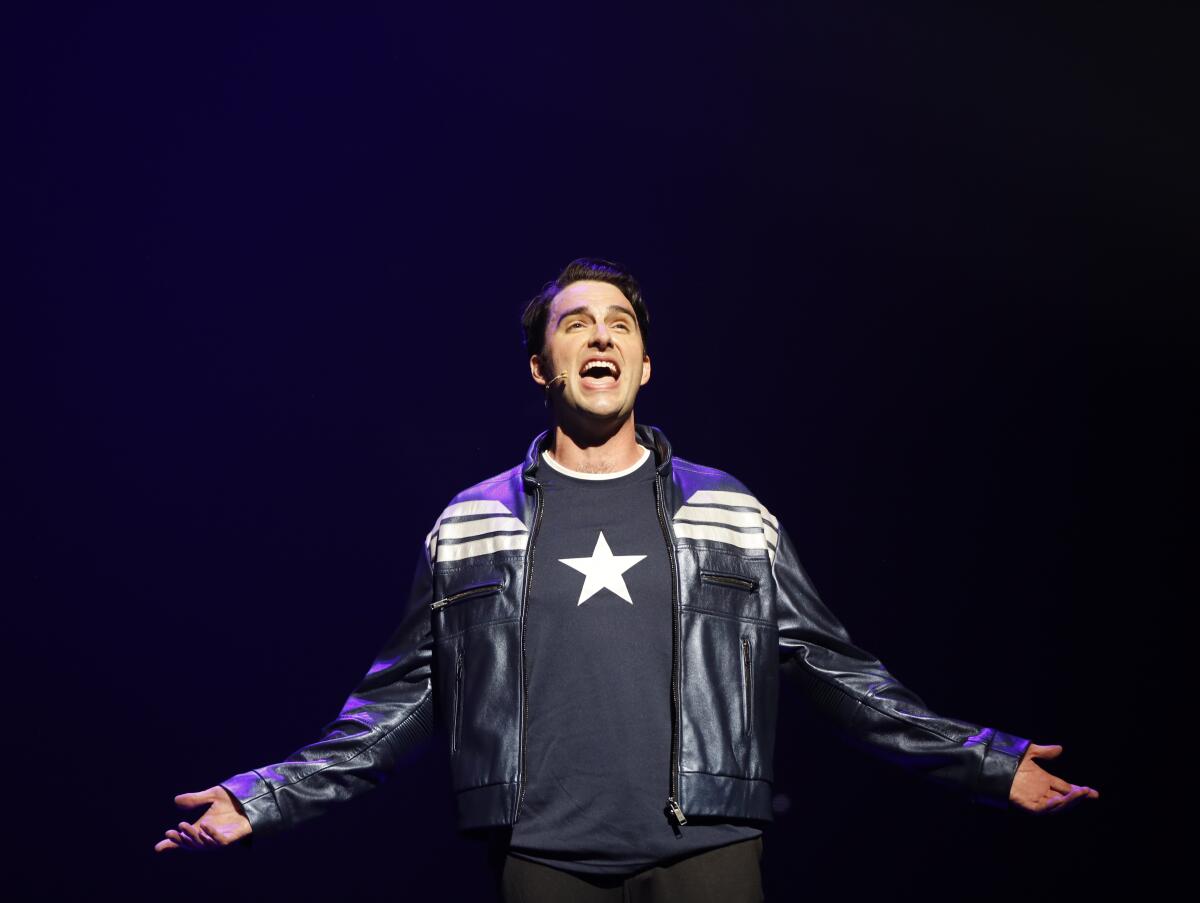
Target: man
x,y
601,630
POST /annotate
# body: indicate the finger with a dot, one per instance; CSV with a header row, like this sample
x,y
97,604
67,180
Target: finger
x,y
1066,801
191,800
1052,800
180,839
192,832
165,845
208,834
1045,752
1053,806
1086,792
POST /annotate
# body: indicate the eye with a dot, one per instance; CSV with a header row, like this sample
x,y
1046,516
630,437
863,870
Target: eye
x,y
573,324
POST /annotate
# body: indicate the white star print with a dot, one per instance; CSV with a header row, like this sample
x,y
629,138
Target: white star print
x,y
603,571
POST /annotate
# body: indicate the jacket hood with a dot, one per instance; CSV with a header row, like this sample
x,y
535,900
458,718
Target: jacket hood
x,y
650,436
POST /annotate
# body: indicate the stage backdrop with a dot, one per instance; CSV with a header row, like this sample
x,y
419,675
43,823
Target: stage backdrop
x,y
912,278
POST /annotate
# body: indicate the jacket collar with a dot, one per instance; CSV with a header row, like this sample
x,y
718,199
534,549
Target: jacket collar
x,y
650,436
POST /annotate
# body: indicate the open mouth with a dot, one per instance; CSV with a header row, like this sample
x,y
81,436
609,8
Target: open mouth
x,y
597,373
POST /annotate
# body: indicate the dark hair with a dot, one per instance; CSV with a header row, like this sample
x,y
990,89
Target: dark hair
x,y
593,268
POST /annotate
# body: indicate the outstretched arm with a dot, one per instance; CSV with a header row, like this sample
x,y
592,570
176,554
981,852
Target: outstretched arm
x,y
877,712
388,713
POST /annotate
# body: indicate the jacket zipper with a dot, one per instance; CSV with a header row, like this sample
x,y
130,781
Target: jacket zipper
x,y
458,703
746,688
673,806
466,594
537,519
728,580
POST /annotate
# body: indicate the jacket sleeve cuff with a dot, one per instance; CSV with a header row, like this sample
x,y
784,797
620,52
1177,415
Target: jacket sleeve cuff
x,y
1002,754
257,798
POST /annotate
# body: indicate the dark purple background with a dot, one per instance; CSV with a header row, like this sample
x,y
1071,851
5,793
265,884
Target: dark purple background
x,y
914,275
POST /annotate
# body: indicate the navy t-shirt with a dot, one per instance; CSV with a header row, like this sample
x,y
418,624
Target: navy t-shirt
x,y
598,654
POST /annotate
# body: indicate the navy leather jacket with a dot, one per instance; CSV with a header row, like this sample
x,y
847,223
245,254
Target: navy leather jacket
x,y
745,613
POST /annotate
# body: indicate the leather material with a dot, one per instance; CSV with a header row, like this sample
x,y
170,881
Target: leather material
x,y
746,615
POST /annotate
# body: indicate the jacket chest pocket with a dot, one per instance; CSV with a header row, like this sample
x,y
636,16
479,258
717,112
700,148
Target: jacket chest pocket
x,y
737,586
736,593
468,602
481,589
716,578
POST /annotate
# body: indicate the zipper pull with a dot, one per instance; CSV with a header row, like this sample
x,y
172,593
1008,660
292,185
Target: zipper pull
x,y
676,812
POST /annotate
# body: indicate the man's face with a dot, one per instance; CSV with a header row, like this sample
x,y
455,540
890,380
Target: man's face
x,y
592,333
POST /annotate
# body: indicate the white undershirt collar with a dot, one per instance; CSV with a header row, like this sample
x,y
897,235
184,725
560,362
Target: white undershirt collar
x,y
578,474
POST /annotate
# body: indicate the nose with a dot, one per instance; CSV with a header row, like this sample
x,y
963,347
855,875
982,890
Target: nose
x,y
601,337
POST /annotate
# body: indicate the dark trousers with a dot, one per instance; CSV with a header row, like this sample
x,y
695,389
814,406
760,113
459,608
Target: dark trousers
x,y
728,874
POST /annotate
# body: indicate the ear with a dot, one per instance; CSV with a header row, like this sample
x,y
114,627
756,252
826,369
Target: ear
x,y
535,369
645,370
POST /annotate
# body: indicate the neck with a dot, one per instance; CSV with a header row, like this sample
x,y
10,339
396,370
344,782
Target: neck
x,y
603,452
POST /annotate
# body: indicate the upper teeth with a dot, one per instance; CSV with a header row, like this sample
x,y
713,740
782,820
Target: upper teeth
x,y
609,364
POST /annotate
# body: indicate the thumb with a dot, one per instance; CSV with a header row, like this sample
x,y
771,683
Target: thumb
x,y
190,800
1046,752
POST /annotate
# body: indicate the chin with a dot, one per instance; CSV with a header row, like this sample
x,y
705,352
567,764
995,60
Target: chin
x,y
608,415
593,412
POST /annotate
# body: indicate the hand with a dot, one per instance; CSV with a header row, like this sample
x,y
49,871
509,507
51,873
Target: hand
x,y
1037,791
222,824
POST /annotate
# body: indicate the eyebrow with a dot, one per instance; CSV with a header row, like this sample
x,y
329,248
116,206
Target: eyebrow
x,y
583,309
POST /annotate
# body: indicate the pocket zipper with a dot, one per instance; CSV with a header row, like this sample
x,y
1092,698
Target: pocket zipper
x,y
458,689
746,685
728,580
466,594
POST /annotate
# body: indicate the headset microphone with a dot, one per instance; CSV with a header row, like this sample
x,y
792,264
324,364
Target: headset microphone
x,y
562,376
